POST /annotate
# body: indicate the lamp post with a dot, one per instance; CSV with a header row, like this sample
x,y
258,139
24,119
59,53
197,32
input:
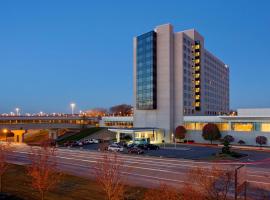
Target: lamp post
x,y
5,131
72,105
173,137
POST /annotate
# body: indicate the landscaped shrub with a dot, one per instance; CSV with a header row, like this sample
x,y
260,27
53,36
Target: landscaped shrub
x,y
241,142
211,132
180,132
229,138
261,140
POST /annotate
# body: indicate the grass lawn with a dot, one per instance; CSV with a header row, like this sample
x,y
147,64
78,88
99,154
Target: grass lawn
x,y
82,134
222,156
16,182
37,138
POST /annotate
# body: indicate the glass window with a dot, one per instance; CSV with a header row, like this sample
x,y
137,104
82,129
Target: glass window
x,y
244,126
146,71
190,126
265,127
199,126
223,126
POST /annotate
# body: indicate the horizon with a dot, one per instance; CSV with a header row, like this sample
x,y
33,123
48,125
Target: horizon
x,y
55,53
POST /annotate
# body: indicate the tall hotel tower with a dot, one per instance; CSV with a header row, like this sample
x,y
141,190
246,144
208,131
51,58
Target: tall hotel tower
x,y
174,75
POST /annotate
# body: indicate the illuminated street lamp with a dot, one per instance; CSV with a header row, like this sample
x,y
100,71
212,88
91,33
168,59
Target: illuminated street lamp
x,y
5,131
17,111
72,105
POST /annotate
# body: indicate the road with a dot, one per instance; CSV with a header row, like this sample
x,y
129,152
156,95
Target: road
x,y
144,171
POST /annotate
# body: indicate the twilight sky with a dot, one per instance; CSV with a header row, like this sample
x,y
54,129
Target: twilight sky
x,y
55,52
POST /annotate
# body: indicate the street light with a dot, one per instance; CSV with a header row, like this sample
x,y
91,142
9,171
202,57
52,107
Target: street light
x,y
173,137
72,105
5,131
17,111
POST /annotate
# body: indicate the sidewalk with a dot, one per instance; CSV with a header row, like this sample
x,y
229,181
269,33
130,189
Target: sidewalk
x,y
189,145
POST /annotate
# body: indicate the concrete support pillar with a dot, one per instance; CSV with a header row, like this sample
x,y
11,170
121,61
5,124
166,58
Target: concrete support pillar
x,y
230,126
133,137
53,134
19,135
117,136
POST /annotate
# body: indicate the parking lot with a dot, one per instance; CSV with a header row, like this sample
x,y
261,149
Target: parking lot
x,y
184,152
193,152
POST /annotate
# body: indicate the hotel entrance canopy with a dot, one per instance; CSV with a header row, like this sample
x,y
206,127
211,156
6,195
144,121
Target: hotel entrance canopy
x,y
155,135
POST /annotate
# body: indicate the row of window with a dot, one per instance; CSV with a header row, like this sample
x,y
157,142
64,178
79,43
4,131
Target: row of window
x,y
48,122
234,126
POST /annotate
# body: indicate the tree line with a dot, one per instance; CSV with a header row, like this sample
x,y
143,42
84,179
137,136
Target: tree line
x,y
117,110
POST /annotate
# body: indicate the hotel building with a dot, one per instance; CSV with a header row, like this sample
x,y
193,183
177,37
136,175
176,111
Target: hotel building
x,y
175,76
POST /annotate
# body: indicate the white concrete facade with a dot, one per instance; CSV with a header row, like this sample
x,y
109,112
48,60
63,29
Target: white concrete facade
x,y
162,117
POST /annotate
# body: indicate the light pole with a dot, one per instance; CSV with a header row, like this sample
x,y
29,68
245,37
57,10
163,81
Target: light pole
x,y
17,111
173,137
5,131
72,105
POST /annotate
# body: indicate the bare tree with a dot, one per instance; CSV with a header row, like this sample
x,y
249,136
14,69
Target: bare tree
x,y
108,175
210,183
4,150
190,193
122,110
96,112
162,192
43,168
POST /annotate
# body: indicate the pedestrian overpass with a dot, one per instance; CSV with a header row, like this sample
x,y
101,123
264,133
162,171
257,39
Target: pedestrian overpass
x,y
19,125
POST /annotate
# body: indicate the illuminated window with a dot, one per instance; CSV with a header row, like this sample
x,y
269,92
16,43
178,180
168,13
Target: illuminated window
x,y
197,75
197,54
265,127
223,126
197,46
197,97
197,61
197,83
197,68
197,90
199,126
197,104
190,126
242,127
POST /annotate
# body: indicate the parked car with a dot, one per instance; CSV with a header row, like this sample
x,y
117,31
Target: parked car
x,y
91,141
95,141
123,144
68,143
79,143
135,150
131,145
151,147
141,146
115,147
88,141
73,144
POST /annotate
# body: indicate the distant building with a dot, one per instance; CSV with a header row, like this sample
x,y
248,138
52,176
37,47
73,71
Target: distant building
x,y
174,75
